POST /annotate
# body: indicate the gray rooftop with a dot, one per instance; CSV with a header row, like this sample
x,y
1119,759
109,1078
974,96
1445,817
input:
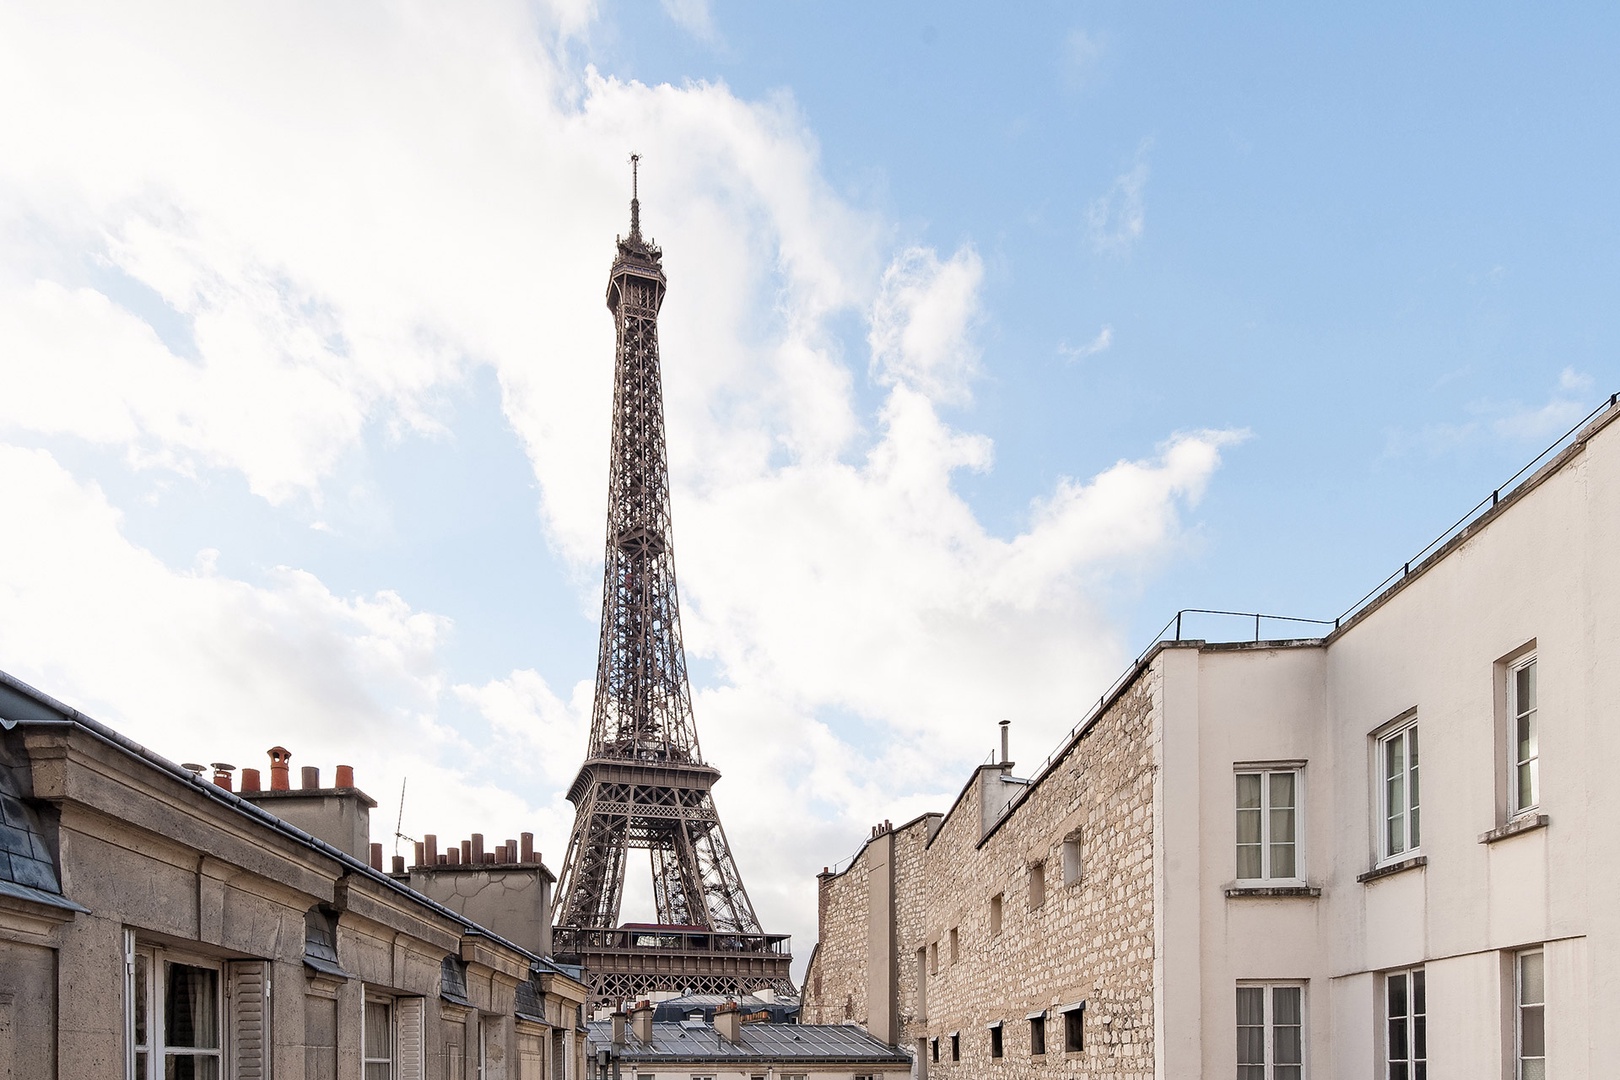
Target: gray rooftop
x,y
824,1043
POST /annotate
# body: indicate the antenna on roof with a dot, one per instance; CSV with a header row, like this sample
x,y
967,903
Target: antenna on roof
x,y
399,822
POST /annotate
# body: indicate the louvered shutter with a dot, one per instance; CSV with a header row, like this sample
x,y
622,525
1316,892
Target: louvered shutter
x,y
408,1015
249,990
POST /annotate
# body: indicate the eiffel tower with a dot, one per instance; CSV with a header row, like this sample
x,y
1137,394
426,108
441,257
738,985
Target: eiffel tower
x,y
644,783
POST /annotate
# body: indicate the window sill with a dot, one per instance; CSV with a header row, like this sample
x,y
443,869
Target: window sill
x,y
1393,868
1264,892
1527,823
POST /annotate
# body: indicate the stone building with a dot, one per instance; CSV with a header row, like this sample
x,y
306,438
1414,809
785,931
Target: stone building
x,y
1240,863
155,923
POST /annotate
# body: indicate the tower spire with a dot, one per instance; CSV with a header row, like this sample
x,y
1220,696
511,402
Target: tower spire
x,y
635,200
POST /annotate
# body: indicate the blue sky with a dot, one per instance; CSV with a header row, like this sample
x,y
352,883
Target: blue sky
x,y
991,340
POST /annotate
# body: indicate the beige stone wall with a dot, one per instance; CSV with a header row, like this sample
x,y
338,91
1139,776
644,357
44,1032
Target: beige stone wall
x,y
1090,940
835,982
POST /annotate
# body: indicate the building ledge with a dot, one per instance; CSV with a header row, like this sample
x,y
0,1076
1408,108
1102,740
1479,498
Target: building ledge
x,y
1272,892
1393,868
1527,823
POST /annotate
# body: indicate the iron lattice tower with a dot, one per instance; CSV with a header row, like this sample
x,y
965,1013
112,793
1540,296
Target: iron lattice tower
x,y
644,783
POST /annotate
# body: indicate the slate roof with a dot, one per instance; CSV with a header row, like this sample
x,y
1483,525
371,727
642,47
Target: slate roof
x,y
27,864
789,1043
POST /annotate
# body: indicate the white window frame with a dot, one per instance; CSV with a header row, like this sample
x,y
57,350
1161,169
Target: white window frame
x,y
1266,770
1517,710
1272,1070
1521,1006
156,962
1414,1019
1406,733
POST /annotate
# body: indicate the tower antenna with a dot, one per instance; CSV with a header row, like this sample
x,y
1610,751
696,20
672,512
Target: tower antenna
x,y
635,197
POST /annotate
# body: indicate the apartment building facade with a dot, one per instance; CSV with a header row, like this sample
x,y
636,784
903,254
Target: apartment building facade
x,y
155,924
1389,852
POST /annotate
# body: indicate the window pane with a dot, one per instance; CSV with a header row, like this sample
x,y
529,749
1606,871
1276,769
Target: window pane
x,y
1527,784
190,1067
1282,790
1533,1070
191,1007
1248,861
1531,988
1525,677
1419,985
1250,1006
379,1070
1248,826
1532,1033
1285,1005
1285,1044
1397,1038
142,964
1395,795
1287,1072
1251,1046
1282,860
1395,987
379,1043
1251,1072
1248,791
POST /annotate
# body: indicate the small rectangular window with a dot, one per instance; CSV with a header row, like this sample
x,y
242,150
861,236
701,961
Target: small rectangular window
x,y
1270,1032
1530,1002
1406,1031
1074,1032
1526,746
954,950
1398,775
995,914
1037,1035
933,958
995,1041
1268,825
174,1016
956,1046
1037,885
933,1048
1072,861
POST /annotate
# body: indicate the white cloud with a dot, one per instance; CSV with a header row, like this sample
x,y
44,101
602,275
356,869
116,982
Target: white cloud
x,y
1115,220
693,16
1506,421
1098,344
921,321
1082,53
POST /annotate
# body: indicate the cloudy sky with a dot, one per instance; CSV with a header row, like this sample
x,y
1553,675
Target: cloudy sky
x,y
989,343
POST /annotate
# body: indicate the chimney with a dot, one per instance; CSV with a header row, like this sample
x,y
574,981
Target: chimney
x,y
618,1026
526,842
376,856
728,1022
399,864
345,776
250,779
511,851
453,857
222,774
430,845
1005,724
279,756
466,852
310,779
421,854
641,1020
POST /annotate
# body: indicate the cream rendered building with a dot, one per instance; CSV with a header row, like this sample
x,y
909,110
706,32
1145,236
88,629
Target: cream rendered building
x,y
1390,852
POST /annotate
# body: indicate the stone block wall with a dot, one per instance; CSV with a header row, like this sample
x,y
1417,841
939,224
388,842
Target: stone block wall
x,y
1086,939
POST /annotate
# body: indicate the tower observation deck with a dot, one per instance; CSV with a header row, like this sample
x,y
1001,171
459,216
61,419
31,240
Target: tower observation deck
x,y
644,783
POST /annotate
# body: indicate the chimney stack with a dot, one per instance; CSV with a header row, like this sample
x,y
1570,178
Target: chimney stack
x,y
279,756
250,780
399,864
618,1026
728,1022
376,857
526,847
310,778
1005,724
641,1019
345,776
222,774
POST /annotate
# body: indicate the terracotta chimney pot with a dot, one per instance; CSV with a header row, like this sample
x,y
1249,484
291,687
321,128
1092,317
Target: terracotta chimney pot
x,y
376,856
345,776
250,779
311,778
222,774
279,756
